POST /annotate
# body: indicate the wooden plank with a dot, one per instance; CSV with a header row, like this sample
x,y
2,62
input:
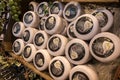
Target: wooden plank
x,y
105,1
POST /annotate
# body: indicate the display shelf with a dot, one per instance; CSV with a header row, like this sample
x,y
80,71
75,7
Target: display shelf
x,y
30,66
105,1
9,38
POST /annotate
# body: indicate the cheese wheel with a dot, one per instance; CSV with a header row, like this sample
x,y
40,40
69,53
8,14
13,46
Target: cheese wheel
x,y
86,27
59,68
104,47
71,11
41,9
18,46
42,23
70,31
33,6
31,19
17,29
83,72
29,52
40,39
56,44
77,51
56,8
54,24
41,59
28,35
104,17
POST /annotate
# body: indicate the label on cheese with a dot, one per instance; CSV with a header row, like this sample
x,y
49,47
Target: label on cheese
x,y
103,47
102,18
79,76
28,18
41,9
57,68
39,39
55,43
16,46
39,59
76,51
84,25
55,8
67,13
26,35
16,28
71,11
27,51
41,25
50,23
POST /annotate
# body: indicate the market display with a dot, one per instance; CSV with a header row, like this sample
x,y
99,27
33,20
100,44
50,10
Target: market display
x,y
65,39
